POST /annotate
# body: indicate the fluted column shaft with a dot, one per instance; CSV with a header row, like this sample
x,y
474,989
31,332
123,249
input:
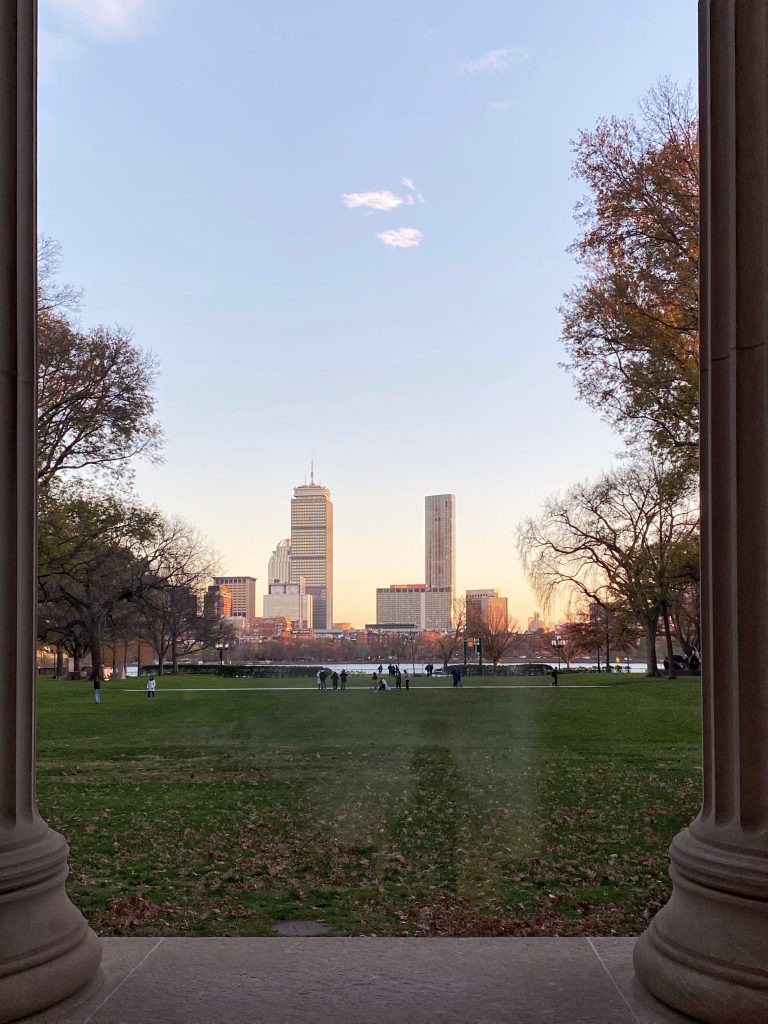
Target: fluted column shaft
x,y
47,951
706,952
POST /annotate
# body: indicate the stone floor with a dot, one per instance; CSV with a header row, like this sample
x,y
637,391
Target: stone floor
x,y
371,981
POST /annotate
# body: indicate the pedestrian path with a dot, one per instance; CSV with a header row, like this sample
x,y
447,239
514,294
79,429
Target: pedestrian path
x,y
419,686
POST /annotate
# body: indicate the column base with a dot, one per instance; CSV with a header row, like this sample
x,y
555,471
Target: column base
x,y
47,950
706,952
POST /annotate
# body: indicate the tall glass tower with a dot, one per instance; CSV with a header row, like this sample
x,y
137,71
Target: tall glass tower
x,y
312,548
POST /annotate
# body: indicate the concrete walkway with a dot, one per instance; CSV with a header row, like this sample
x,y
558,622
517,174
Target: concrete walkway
x,y
364,981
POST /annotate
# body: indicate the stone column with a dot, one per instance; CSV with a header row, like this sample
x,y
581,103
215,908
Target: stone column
x,y
47,951
706,952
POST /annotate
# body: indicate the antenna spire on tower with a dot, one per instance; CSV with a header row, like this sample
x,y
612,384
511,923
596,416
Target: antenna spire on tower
x,y
312,472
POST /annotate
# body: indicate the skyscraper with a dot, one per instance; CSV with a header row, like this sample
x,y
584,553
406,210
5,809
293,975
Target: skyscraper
x,y
440,541
440,546
279,570
312,548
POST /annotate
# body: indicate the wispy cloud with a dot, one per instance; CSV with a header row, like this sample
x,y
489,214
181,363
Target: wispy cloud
x,y
495,62
414,192
106,18
383,200
401,238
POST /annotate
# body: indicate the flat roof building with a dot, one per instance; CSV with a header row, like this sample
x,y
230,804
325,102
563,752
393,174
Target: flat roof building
x,y
290,600
415,604
243,591
485,604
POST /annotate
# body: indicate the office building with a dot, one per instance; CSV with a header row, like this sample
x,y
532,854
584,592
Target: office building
x,y
217,602
485,604
291,601
312,548
279,569
243,592
414,605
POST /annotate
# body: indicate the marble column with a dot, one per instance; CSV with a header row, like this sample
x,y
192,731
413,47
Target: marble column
x,y
47,951
706,952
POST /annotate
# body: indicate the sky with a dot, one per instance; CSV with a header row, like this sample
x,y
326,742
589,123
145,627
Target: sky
x,y
342,229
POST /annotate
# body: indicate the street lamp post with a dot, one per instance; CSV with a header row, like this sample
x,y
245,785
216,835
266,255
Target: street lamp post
x,y
221,648
558,644
410,638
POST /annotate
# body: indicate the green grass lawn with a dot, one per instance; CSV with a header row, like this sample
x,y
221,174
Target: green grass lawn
x,y
522,811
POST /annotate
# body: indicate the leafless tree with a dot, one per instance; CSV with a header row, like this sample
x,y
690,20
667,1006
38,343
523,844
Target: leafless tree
x,y
613,540
451,641
168,610
497,629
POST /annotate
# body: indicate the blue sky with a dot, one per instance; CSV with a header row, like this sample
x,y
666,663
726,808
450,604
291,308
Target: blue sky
x,y
194,160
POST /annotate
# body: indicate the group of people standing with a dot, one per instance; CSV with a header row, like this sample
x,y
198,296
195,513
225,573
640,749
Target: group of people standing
x,y
395,675
338,679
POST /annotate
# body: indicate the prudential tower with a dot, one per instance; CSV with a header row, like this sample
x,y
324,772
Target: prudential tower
x,y
312,548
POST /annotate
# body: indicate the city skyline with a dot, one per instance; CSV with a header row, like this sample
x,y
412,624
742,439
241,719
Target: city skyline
x,y
286,591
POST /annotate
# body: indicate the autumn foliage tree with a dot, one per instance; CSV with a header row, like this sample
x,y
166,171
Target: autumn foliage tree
x,y
630,325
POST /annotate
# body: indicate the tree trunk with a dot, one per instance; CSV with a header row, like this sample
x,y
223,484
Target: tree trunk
x,y
174,657
668,636
651,670
120,661
76,664
58,671
95,647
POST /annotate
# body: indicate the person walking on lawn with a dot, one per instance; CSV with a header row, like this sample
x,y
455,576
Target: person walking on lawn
x,y
151,686
335,679
343,679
